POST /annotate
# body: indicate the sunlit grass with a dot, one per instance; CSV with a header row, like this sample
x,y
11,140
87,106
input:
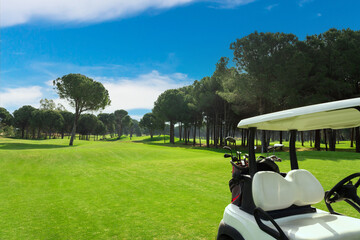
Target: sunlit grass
x,y
139,189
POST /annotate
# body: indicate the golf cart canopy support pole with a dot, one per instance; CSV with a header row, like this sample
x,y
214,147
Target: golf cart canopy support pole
x,y
252,160
293,158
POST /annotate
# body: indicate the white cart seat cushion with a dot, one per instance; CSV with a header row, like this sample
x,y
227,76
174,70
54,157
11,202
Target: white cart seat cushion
x,y
271,191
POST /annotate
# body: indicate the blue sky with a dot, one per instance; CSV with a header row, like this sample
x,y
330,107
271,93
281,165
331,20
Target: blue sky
x,y
140,48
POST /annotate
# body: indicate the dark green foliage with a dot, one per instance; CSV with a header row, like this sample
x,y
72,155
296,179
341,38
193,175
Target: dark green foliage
x,y
87,124
136,127
109,121
151,123
37,122
170,106
5,117
83,94
119,116
100,128
22,118
53,121
68,122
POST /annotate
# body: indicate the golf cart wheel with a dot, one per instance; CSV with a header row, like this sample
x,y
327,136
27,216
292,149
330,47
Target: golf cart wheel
x,y
225,237
227,232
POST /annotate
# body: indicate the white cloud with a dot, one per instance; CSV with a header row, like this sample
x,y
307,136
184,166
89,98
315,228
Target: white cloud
x,y
12,98
302,2
270,7
232,3
14,12
140,92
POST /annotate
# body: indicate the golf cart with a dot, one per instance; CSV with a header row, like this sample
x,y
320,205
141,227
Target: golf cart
x,y
269,204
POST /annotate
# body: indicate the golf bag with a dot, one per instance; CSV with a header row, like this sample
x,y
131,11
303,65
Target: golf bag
x,y
240,175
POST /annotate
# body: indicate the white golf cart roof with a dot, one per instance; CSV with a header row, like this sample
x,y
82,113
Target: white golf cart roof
x,y
334,115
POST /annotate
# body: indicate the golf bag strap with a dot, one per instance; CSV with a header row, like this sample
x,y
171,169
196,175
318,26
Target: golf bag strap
x,y
279,234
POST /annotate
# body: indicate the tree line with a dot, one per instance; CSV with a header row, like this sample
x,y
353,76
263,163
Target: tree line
x,y
49,121
270,72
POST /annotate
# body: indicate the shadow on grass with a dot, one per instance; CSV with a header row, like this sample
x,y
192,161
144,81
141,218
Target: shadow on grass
x,y
26,146
303,153
114,139
159,141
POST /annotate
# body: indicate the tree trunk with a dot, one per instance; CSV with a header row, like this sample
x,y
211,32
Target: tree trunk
x,y
242,137
185,136
325,139
221,133
194,143
73,132
357,139
352,137
172,139
302,138
332,139
200,135
38,133
317,139
215,132
263,142
207,133
281,137
180,131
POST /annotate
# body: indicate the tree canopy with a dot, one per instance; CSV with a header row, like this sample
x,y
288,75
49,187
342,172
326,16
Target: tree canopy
x,y
83,94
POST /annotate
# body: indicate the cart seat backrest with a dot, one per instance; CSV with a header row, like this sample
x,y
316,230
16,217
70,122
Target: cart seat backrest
x,y
271,191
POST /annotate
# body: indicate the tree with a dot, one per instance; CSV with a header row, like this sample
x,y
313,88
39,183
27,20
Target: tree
x,y
53,121
151,123
37,121
22,118
100,128
6,120
119,116
47,104
68,122
5,117
126,124
83,94
169,107
109,120
137,128
87,124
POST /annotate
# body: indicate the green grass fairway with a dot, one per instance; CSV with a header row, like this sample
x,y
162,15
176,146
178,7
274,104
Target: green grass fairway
x,y
127,190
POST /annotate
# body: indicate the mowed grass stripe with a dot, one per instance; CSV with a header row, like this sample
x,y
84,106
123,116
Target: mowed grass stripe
x,y
128,190
109,190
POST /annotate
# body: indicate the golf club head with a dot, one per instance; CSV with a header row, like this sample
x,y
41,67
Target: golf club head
x,y
227,147
230,139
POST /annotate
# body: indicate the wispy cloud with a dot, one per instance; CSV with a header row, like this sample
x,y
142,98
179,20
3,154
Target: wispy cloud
x,y
232,3
14,12
270,7
139,92
54,70
12,98
302,2
21,11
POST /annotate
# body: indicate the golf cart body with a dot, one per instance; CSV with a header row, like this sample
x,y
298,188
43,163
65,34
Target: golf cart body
x,y
274,205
